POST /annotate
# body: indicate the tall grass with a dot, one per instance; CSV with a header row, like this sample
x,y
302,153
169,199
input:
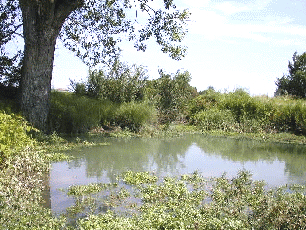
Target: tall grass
x,y
238,111
71,113
215,118
134,115
289,115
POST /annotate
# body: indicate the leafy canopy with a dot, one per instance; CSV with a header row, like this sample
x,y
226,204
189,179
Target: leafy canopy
x,y
295,82
94,30
10,24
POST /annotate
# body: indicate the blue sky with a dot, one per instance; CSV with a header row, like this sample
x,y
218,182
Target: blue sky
x,y
231,44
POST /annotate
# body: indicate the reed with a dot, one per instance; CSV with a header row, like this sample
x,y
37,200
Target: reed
x,y
250,114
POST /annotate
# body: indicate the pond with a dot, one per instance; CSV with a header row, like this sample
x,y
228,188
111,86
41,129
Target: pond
x,y
277,164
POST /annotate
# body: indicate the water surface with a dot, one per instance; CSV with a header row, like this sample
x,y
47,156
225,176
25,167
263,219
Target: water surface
x,y
277,164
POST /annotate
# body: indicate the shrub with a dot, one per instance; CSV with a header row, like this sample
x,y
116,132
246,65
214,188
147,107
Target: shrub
x,y
13,134
121,83
248,114
290,115
206,100
75,114
240,103
171,95
133,115
70,113
108,112
215,118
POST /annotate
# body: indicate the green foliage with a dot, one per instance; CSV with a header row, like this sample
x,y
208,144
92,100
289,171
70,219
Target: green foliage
x,y
207,99
240,103
79,88
13,134
21,201
171,95
289,115
106,21
127,85
295,82
212,119
121,83
134,115
80,190
234,111
108,113
10,66
193,202
72,114
250,113
135,178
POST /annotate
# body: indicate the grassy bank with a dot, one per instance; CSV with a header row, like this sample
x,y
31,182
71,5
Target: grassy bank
x,y
279,118
241,113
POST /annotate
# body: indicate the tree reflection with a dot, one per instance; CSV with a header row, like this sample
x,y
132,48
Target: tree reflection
x,y
167,155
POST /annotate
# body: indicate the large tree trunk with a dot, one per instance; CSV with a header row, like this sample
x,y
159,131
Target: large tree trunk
x,y
42,22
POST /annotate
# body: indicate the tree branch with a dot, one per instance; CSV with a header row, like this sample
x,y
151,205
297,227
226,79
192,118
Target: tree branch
x,y
64,7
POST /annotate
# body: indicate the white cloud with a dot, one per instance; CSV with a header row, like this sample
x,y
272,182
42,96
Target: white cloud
x,y
215,23
193,3
229,8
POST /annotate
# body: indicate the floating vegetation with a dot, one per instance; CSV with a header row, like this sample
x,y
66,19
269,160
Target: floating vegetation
x,y
143,201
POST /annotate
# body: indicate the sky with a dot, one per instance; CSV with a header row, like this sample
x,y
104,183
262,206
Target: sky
x,y
231,44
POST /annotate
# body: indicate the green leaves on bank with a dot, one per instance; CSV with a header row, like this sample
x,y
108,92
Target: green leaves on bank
x,y
13,134
194,202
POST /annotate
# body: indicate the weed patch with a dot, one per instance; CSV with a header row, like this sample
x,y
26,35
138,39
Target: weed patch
x,y
239,112
194,202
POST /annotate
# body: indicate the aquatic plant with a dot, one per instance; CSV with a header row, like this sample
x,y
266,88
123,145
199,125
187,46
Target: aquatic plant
x,y
194,202
22,182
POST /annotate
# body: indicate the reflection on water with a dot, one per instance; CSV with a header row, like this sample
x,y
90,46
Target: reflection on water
x,y
277,164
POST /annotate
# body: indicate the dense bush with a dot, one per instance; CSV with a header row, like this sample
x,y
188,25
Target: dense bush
x,y
207,100
71,113
214,118
170,95
212,110
124,84
121,83
289,115
134,115
13,134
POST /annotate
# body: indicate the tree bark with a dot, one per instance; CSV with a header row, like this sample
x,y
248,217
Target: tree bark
x,y
42,22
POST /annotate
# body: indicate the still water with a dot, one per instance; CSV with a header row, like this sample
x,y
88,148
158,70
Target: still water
x,y
277,164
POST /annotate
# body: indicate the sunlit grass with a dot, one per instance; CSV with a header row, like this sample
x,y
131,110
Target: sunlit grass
x,y
239,112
